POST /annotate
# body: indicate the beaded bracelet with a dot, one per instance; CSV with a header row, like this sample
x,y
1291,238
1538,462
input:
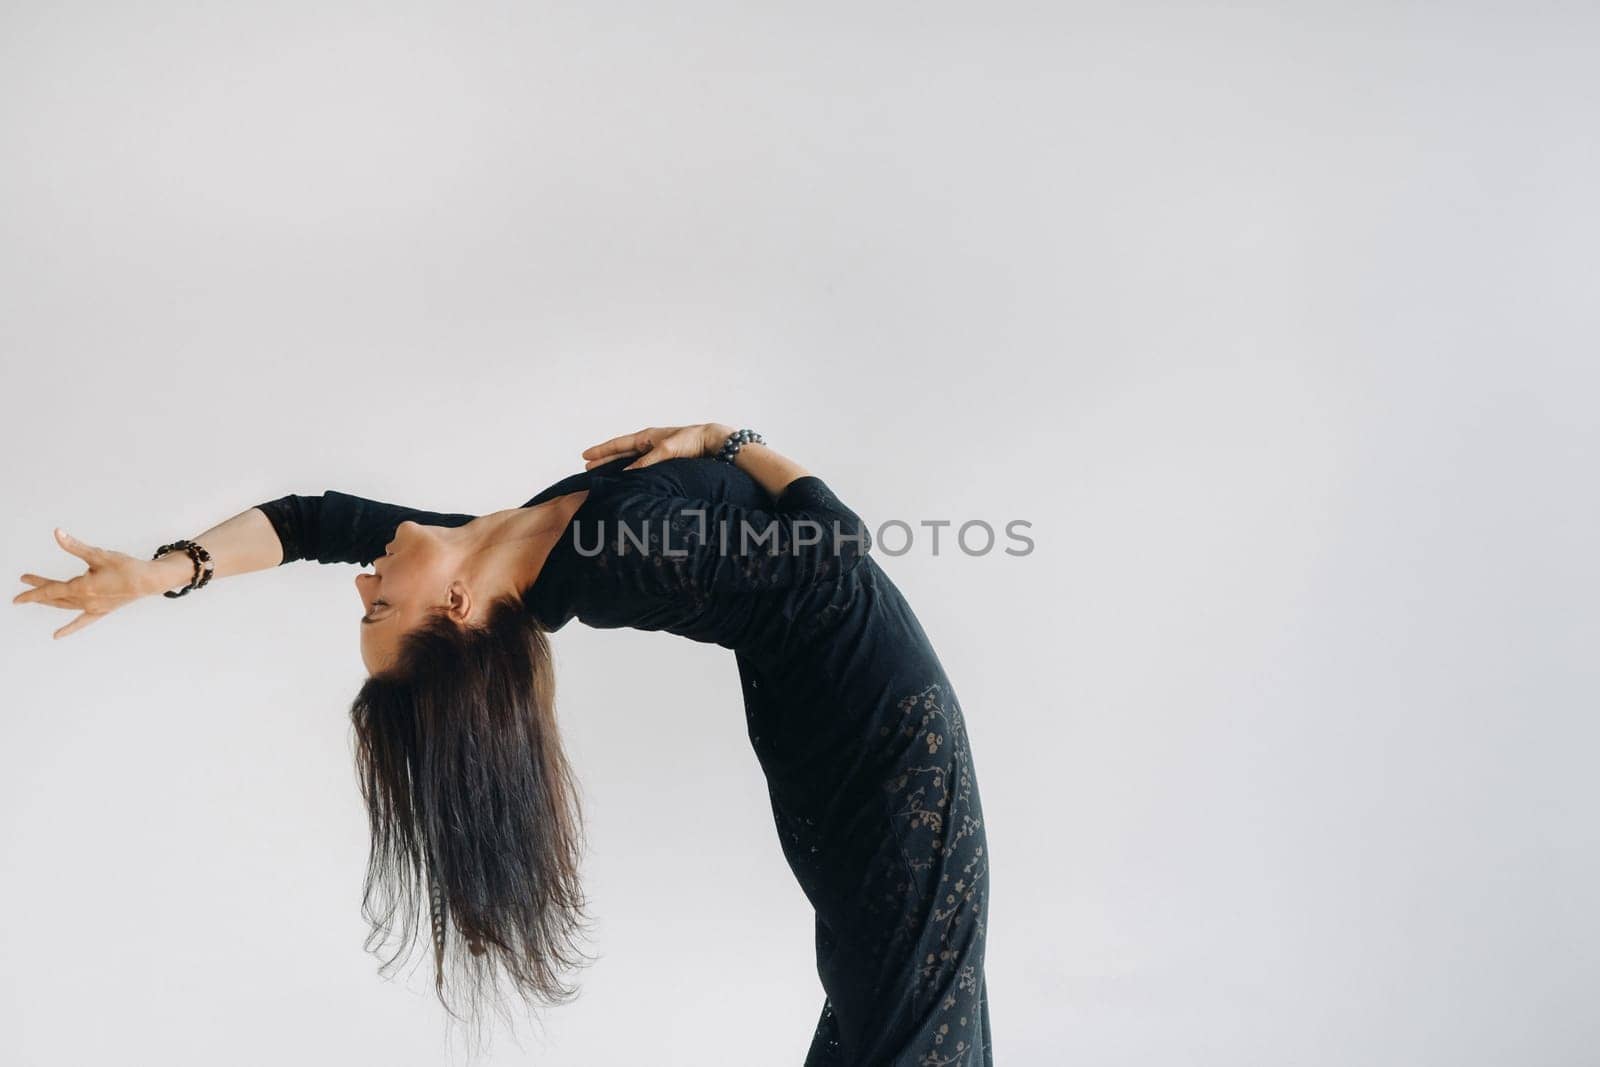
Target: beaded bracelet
x,y
203,565
737,440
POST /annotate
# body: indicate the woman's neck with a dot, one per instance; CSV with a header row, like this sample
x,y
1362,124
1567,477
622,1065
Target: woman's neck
x,y
507,549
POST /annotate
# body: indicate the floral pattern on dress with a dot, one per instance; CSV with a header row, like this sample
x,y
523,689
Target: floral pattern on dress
x,y
927,899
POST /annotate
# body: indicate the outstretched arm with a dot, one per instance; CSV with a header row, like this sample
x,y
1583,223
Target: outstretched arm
x,y
246,542
330,528
336,527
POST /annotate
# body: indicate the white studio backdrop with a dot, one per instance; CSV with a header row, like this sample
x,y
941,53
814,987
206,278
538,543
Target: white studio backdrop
x,y
1276,322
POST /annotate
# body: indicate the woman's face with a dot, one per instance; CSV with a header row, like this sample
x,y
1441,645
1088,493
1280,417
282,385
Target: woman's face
x,y
412,577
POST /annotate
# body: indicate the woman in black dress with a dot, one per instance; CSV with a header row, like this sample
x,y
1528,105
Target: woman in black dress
x,y
689,530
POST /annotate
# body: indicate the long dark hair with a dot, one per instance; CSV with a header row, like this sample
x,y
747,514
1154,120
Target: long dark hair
x,y
473,809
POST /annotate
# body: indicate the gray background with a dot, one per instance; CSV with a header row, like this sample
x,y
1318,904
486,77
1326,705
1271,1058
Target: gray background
x,y
1277,322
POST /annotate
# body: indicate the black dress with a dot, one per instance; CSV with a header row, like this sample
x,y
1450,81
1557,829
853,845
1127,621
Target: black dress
x,y
850,713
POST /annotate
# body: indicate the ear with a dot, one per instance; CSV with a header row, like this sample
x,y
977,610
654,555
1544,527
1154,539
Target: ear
x,y
458,602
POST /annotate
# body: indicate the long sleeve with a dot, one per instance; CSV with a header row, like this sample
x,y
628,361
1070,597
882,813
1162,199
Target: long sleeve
x,y
677,545
337,527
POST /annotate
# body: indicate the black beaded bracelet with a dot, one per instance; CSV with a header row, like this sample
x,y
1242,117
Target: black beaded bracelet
x,y
737,440
203,565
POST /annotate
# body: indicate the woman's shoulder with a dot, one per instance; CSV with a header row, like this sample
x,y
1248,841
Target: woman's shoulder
x,y
572,483
703,478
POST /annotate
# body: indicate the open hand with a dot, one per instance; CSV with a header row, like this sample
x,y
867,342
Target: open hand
x,y
111,580
656,443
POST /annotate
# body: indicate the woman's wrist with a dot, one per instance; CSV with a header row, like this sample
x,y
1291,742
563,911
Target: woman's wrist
x,y
172,571
712,437
757,459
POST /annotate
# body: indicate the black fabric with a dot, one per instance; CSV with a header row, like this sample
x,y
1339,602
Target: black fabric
x,y
335,527
848,709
